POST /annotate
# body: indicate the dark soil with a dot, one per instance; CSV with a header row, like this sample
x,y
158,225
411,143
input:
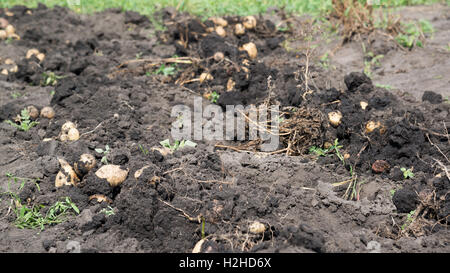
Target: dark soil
x,y
117,99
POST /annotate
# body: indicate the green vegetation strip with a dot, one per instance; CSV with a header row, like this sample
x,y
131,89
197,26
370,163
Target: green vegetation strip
x,y
205,8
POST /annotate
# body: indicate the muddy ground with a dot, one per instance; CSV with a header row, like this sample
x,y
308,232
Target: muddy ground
x,y
111,91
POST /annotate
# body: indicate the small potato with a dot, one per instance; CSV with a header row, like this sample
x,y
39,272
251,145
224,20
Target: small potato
x,y
67,126
9,61
86,163
10,30
335,118
32,52
220,31
47,112
205,77
249,22
73,134
239,29
33,112
41,56
67,175
3,34
3,22
4,72
218,56
219,21
257,227
14,69
363,105
251,50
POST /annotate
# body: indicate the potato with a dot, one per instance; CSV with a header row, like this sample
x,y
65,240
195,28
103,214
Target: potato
x,y
239,29
3,22
249,22
219,21
335,118
14,69
230,84
47,112
32,52
9,61
33,112
100,198
41,56
205,77
372,125
113,174
86,163
4,72
10,30
363,105
66,176
251,49
67,126
220,31
3,34
73,134
257,227
139,172
218,56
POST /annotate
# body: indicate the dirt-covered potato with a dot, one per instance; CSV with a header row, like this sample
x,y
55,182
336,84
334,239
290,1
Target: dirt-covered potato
x,y
335,118
66,176
249,22
251,49
33,112
86,163
113,174
239,29
47,112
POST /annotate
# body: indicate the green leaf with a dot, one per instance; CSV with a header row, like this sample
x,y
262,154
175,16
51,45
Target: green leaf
x,y
190,143
99,150
165,143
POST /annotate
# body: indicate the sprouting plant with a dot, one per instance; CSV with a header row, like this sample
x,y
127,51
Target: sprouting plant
x,y
407,173
139,55
414,33
105,153
166,70
9,40
214,97
370,61
22,180
52,93
24,121
325,61
409,219
323,152
392,192
178,144
32,217
50,79
15,95
143,150
108,211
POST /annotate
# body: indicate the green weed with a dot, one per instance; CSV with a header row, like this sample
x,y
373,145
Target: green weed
x,y
25,123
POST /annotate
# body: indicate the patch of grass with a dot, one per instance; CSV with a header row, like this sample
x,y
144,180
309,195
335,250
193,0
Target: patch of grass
x,y
203,8
414,33
16,95
324,152
178,144
32,217
214,97
105,153
25,123
143,150
371,61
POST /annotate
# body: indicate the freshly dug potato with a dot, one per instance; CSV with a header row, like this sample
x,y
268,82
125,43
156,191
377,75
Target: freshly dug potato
x,y
363,105
249,22
41,56
9,61
66,176
220,31
205,77
219,21
47,112
32,52
113,174
100,198
4,71
14,69
3,34
3,22
335,118
239,29
33,112
10,30
218,56
86,163
257,227
251,49
73,134
230,84
67,126
372,125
